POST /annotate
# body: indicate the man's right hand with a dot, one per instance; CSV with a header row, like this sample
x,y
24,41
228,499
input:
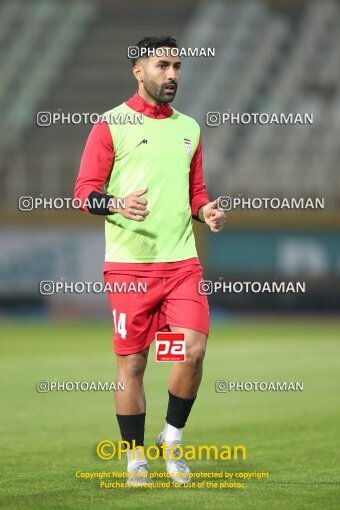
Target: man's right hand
x,y
135,207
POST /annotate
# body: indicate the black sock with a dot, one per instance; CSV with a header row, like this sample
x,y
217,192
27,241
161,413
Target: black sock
x,y
178,410
132,427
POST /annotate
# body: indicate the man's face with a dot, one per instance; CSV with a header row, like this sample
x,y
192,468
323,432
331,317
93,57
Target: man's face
x,y
161,76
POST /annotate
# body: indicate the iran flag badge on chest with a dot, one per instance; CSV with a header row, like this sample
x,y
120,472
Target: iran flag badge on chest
x,y
187,146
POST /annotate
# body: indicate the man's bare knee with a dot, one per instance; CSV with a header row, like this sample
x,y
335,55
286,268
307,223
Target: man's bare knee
x,y
195,356
132,365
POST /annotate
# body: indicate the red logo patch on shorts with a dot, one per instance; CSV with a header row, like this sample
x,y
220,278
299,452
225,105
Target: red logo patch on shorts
x,y
170,346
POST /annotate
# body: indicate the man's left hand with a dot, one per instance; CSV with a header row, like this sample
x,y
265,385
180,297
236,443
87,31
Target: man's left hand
x,y
214,218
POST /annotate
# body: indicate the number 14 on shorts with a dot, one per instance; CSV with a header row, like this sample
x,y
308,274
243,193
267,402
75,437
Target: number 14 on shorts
x,y
119,323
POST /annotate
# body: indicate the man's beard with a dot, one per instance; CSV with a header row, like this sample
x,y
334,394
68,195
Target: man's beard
x,y
158,91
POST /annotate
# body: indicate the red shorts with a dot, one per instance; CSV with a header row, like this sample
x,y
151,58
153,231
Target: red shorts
x,y
143,305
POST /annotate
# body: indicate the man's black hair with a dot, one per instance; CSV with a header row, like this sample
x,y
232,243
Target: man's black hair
x,y
153,43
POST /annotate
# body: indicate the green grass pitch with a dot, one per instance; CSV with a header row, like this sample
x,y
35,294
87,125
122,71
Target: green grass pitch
x,y
294,436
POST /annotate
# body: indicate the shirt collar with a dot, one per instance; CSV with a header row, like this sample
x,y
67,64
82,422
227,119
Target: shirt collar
x,y
139,104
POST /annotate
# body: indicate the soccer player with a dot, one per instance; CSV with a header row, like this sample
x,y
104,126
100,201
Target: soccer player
x,y
157,167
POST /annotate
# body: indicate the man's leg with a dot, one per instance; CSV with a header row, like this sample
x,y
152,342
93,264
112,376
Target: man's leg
x,y
184,380
131,403
185,377
135,321
130,369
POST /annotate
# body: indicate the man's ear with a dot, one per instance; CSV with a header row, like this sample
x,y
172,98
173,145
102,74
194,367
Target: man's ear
x,y
138,72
